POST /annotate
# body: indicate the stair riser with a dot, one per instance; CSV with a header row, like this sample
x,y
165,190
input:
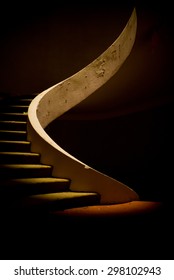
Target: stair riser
x,y
7,135
12,125
14,147
71,203
13,117
16,101
15,109
25,173
56,205
17,189
10,159
22,101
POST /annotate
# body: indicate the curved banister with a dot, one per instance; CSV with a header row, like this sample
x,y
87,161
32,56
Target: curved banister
x,y
58,99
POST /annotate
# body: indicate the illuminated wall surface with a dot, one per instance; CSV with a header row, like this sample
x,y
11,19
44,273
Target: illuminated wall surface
x,y
132,112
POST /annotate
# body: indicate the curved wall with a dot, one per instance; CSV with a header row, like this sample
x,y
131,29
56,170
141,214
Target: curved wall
x,y
58,99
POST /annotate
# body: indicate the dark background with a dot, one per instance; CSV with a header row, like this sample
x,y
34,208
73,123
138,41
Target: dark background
x,y
125,128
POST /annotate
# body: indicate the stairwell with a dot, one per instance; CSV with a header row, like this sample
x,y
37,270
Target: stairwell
x,y
26,184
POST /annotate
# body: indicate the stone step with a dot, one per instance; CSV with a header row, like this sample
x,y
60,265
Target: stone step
x,y
14,146
17,100
24,96
19,157
14,108
22,101
13,125
13,135
31,186
13,116
25,171
52,201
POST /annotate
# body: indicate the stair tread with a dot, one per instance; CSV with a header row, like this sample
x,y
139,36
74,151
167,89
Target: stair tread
x,y
14,142
9,122
25,99
18,135
14,106
24,166
18,108
56,200
13,125
36,180
13,131
21,145
25,170
59,196
21,187
13,114
17,105
20,153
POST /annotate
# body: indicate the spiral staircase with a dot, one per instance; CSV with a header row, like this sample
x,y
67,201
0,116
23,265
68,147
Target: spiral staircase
x,y
41,183
36,205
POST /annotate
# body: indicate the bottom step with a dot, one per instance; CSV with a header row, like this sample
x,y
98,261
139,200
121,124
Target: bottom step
x,y
53,201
